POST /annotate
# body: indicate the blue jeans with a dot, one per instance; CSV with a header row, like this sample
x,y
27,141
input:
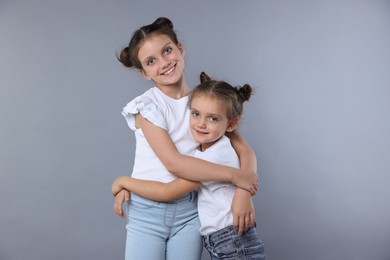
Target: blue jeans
x,y
159,231
227,244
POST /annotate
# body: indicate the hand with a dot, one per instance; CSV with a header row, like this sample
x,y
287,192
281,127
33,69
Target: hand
x,y
246,180
116,186
243,211
123,195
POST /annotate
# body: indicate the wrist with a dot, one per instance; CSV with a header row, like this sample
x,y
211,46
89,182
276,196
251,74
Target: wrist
x,y
242,192
117,185
122,181
233,176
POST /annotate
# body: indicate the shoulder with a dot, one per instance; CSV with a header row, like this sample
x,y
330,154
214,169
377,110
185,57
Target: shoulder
x,y
222,152
149,105
223,146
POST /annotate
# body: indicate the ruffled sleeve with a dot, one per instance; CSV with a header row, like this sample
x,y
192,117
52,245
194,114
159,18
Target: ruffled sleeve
x,y
148,109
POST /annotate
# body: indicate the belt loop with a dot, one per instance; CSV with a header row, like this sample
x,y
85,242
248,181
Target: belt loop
x,y
192,196
207,240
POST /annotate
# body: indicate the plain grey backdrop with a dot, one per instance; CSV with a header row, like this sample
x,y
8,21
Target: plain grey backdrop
x,y
319,120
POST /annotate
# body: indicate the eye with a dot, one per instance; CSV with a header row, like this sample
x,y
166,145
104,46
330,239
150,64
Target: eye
x,y
213,119
167,50
150,62
194,113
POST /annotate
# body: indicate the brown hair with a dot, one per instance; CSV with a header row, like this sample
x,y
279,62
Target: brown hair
x,y
232,97
129,55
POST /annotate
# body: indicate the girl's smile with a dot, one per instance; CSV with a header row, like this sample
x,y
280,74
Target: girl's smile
x,y
208,120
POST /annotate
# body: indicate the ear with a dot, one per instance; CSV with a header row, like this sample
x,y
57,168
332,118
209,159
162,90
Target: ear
x,y
232,125
144,74
181,49
204,77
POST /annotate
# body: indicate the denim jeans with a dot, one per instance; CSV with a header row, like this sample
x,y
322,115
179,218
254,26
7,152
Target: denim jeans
x,y
159,231
227,244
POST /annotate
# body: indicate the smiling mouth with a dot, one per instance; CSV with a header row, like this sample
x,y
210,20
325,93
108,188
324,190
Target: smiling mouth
x,y
170,71
200,132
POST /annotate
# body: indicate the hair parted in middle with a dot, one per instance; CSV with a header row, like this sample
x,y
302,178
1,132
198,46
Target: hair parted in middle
x,y
232,97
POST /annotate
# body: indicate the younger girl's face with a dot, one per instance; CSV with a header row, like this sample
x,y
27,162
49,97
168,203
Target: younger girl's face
x,y
162,60
208,120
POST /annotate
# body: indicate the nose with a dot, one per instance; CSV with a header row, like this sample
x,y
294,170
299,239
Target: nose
x,y
202,123
166,63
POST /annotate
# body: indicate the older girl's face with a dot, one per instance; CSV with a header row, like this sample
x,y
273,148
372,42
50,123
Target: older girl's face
x,y
162,60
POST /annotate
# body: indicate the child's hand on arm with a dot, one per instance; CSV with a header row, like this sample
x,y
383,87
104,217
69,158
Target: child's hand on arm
x,y
118,184
247,180
121,196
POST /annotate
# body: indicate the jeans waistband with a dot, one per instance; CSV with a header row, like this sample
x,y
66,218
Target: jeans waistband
x,y
221,232
225,232
191,196
215,236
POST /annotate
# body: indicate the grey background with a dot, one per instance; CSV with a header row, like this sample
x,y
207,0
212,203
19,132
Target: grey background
x,y
319,121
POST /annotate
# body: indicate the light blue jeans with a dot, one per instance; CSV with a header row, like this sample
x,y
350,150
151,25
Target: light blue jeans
x,y
157,230
227,244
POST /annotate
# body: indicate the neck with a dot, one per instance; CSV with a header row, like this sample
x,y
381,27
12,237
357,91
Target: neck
x,y
175,91
205,146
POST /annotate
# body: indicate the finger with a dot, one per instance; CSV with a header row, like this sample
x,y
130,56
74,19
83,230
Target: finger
x,y
118,210
235,221
247,222
123,215
241,226
252,191
251,219
127,195
118,207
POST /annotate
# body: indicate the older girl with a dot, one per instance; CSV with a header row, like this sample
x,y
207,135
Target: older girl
x,y
164,149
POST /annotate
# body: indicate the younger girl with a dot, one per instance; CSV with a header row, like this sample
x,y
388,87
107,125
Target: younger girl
x,y
215,108
164,149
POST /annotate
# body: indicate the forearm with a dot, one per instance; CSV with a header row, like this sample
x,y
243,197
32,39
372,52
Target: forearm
x,y
183,166
155,190
191,168
195,169
247,157
248,160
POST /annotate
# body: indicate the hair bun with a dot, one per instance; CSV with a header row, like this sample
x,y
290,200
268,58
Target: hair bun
x,y
204,77
164,22
124,57
244,93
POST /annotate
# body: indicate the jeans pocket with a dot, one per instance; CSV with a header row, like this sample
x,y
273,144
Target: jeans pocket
x,y
138,202
225,249
255,252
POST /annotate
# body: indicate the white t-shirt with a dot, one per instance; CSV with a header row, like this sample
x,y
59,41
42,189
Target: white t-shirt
x,y
215,198
167,113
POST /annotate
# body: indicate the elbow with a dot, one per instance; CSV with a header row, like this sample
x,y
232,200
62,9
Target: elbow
x,y
175,164
172,166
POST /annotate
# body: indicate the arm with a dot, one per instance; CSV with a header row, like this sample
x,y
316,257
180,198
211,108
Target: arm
x,y
242,204
154,190
245,152
191,168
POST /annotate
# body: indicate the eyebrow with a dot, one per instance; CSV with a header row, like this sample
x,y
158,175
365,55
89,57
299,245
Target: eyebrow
x,y
149,57
207,114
